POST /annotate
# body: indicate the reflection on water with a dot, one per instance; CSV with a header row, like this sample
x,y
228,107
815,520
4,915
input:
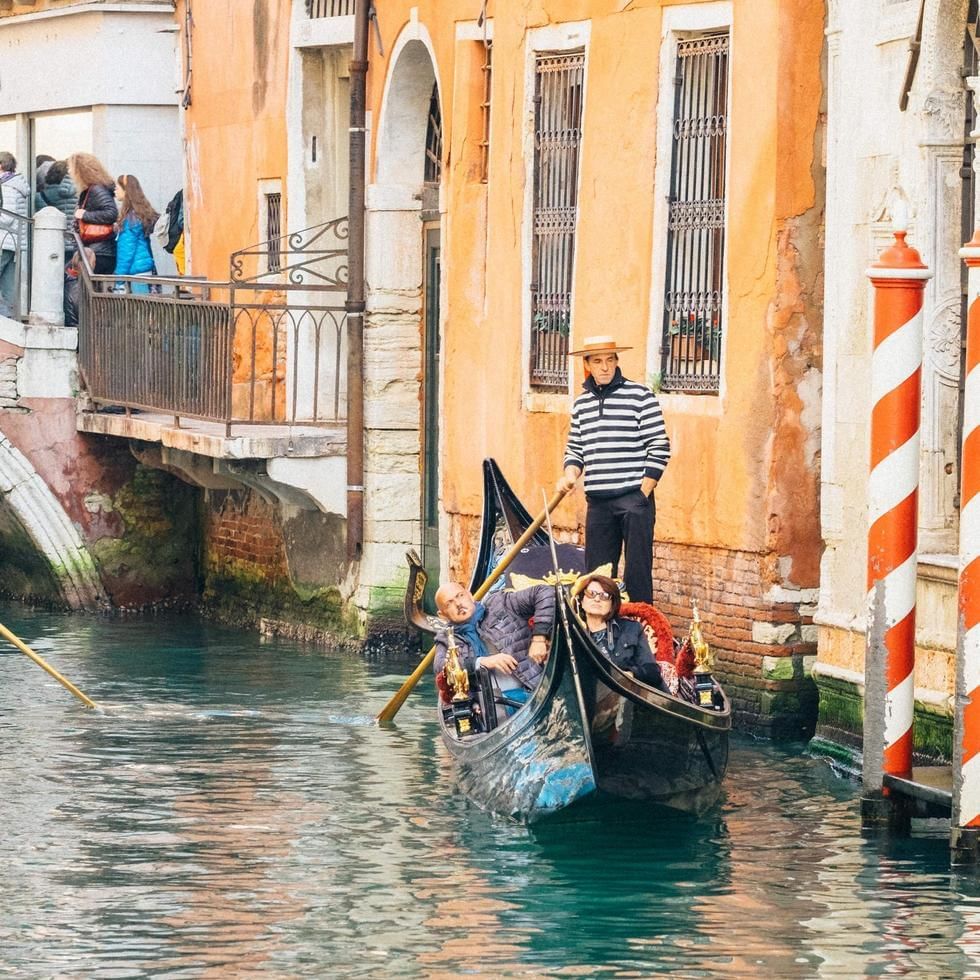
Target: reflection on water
x,y
233,810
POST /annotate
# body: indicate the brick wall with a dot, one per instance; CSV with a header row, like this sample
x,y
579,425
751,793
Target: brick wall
x,y
242,527
761,633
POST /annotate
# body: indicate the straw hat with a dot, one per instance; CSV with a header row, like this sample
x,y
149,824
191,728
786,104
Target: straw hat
x,y
598,345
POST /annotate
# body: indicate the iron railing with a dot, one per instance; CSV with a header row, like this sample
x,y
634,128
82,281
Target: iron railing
x,y
558,80
330,8
16,247
692,327
264,348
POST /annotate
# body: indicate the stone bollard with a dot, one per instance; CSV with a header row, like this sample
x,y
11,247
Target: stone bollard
x,y
899,278
48,268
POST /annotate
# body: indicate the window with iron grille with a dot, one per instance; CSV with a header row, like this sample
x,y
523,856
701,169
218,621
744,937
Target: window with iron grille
x,y
558,83
694,288
329,8
273,225
433,140
485,111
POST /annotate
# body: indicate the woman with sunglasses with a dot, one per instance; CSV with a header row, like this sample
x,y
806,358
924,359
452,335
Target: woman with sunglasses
x,y
621,640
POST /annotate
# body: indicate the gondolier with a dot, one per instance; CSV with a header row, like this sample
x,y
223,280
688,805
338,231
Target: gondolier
x,y
618,438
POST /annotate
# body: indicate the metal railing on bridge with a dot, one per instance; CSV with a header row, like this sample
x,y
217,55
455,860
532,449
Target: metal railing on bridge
x,y
264,348
16,244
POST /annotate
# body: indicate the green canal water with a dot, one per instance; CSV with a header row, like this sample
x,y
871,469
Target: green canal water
x,y
233,811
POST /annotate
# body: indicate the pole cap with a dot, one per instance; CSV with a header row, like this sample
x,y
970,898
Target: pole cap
x,y
899,261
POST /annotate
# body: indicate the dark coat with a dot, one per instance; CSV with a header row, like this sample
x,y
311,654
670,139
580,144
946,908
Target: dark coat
x,y
627,648
100,209
62,196
505,629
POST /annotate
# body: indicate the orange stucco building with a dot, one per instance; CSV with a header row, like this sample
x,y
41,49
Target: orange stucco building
x,y
539,172
737,510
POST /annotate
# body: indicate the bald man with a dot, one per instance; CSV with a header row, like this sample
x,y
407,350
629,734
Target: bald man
x,y
496,633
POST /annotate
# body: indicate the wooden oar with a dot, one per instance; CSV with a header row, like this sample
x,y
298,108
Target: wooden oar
x,y
391,708
28,652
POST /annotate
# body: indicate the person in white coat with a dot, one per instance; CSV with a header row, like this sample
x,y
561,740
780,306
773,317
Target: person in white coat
x,y
15,193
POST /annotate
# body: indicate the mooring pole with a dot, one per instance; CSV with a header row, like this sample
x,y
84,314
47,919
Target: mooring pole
x,y
899,277
965,822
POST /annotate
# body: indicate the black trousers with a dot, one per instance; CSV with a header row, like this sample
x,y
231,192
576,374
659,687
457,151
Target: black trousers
x,y
612,523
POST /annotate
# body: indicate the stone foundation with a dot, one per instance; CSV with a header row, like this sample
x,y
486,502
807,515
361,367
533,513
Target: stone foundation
x,y
247,575
838,675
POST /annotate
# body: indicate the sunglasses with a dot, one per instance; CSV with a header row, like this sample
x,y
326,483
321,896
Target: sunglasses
x,y
597,594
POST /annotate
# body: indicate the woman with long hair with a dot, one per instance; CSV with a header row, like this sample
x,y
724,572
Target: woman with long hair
x,y
97,213
134,257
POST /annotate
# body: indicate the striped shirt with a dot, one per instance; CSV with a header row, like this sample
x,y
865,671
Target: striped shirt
x,y
617,436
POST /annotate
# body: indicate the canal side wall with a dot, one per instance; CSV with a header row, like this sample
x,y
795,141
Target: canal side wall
x,y
270,571
83,524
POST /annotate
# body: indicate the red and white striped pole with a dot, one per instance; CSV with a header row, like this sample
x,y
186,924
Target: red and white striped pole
x,y
966,730
899,277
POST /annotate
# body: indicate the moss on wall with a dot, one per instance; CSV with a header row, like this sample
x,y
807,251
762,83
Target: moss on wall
x,y
841,721
156,558
244,592
24,572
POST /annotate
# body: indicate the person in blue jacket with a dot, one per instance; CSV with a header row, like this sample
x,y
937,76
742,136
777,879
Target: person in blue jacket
x,y
136,220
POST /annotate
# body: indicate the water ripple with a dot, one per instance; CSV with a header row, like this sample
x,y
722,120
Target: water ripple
x,y
233,810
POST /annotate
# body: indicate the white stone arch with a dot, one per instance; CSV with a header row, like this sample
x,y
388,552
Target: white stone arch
x,y
405,108
50,529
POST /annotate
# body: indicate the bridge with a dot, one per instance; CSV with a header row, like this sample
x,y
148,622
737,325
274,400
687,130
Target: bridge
x,y
111,429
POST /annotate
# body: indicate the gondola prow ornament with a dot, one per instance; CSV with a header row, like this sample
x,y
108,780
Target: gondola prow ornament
x,y
704,683
457,679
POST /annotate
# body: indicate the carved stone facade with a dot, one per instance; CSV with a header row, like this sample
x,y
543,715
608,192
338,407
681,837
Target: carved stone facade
x,y
885,164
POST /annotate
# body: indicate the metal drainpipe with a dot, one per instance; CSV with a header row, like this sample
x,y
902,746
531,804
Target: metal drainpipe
x,y
355,286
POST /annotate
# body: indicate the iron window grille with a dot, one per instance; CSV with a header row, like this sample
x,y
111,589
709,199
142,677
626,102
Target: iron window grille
x,y
558,86
273,225
485,112
694,288
329,8
433,140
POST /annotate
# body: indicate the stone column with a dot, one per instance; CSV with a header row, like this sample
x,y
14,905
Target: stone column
x,y
48,268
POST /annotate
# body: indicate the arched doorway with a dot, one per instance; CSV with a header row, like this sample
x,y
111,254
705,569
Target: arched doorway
x,y
404,272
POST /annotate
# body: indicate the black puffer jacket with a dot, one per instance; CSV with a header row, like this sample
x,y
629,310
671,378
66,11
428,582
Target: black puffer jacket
x,y
626,646
99,203
505,629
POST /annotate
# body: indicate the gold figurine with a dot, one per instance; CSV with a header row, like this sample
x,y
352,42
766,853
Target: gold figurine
x,y
457,677
702,652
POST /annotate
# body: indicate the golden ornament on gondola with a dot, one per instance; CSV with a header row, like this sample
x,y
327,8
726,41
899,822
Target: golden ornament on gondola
x,y
702,652
456,675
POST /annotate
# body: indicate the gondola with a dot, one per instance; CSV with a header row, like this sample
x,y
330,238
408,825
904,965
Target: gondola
x,y
588,726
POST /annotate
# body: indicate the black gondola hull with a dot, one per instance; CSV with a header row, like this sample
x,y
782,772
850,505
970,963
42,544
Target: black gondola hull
x,y
600,729
538,761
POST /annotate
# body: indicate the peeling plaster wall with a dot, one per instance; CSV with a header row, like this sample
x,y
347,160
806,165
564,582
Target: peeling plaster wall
x,y
745,468
235,127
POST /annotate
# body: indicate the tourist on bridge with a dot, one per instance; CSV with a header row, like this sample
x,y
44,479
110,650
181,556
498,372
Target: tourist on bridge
x,y
15,192
96,213
137,217
57,190
617,436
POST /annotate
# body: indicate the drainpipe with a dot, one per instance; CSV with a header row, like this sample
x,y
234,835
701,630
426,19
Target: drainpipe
x,y
355,286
